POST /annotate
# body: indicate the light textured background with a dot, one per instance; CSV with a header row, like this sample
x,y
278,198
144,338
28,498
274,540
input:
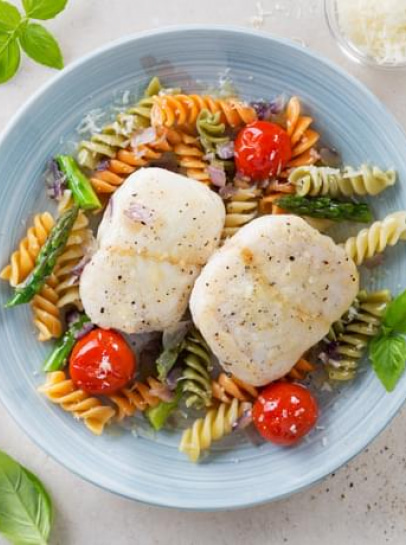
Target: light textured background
x,y
365,502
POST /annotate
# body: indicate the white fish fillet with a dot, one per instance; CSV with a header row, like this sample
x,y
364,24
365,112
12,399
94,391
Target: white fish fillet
x,y
270,294
158,232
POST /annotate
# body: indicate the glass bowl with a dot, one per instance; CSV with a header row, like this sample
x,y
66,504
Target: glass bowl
x,y
350,49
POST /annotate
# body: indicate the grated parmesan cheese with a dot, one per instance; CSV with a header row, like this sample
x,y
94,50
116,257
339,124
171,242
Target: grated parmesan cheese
x,y
89,123
376,27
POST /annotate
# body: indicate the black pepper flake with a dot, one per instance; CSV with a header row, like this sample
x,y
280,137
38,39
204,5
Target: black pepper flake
x,y
119,277
102,310
324,299
292,257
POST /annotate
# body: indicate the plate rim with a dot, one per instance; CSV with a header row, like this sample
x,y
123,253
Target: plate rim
x,y
233,504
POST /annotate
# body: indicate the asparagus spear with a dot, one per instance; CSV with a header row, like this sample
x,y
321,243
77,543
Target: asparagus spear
x,y
59,356
46,260
82,190
326,208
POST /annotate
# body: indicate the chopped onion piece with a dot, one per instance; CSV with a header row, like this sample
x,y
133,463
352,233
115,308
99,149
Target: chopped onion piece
x,y
217,175
226,150
162,392
227,191
143,136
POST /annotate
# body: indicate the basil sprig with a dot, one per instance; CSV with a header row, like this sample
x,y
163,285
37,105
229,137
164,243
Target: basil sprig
x,y
17,31
25,505
387,351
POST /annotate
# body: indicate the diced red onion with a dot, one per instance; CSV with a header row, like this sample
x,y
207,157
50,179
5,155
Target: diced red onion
x,y
243,421
87,327
162,392
142,137
217,175
226,150
71,317
140,213
77,270
227,191
330,157
175,335
103,165
55,180
173,377
266,109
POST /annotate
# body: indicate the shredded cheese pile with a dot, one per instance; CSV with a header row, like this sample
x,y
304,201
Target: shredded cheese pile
x,y
375,27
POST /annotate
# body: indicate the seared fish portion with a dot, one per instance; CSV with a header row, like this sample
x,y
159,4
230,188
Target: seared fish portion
x,y
158,231
270,294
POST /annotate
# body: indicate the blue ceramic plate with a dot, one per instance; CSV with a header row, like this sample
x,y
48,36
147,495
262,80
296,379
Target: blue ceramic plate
x,y
149,469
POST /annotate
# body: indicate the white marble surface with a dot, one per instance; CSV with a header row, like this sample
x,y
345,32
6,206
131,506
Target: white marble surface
x,y
365,502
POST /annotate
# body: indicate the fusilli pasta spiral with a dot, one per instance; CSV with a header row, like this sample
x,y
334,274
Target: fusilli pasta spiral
x,y
314,181
110,177
61,390
196,380
349,336
211,129
23,260
227,387
301,369
76,248
137,397
116,136
180,110
302,137
240,210
46,315
214,426
374,239
190,156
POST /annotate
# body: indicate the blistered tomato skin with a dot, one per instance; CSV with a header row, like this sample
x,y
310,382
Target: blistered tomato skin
x,y
284,413
262,149
102,362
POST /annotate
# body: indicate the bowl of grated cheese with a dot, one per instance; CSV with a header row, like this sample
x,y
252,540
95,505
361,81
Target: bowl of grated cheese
x,y
370,32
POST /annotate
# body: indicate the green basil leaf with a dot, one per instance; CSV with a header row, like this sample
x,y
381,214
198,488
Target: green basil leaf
x,y
40,45
9,57
9,17
388,356
44,9
25,506
395,315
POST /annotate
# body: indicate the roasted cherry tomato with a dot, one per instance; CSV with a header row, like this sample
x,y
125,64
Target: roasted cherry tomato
x,y
283,412
102,362
262,149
